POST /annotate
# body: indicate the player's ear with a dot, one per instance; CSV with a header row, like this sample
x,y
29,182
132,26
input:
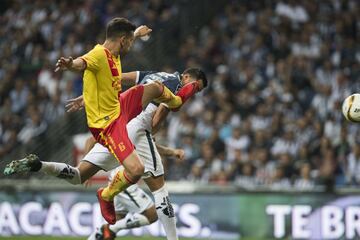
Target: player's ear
x,y
122,39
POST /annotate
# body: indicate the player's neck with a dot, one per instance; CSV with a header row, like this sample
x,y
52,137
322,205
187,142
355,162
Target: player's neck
x,y
112,46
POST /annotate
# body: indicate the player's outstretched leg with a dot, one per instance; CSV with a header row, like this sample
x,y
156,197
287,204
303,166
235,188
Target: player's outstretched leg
x,y
158,92
32,163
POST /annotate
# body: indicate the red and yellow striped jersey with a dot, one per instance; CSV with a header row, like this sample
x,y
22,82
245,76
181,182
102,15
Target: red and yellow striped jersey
x,y
101,87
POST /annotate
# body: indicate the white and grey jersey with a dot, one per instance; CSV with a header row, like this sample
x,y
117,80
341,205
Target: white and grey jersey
x,y
170,80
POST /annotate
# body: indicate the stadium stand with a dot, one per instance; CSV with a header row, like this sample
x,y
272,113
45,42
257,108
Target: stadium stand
x,y
278,73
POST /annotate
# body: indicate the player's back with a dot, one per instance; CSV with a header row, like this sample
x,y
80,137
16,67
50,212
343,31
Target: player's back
x,y
101,87
170,80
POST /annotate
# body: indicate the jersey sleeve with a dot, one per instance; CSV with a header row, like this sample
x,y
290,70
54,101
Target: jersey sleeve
x,y
92,59
141,75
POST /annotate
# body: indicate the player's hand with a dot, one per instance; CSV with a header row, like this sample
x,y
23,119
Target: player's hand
x,y
179,153
63,63
75,104
142,31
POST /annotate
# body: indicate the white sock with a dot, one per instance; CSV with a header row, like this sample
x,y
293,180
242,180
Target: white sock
x,y
165,212
130,221
61,170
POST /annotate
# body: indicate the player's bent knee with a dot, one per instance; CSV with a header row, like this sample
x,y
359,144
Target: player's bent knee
x,y
157,87
136,171
139,170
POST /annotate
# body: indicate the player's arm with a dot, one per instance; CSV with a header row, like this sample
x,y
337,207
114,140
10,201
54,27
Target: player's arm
x,y
142,31
129,78
161,113
75,104
76,65
171,152
90,61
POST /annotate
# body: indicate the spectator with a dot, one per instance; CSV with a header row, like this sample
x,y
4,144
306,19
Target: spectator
x,y
353,165
304,181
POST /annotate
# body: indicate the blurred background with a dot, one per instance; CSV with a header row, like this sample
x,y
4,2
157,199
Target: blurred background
x,y
268,152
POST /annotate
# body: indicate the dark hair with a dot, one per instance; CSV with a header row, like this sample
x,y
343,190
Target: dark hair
x,y
119,26
198,74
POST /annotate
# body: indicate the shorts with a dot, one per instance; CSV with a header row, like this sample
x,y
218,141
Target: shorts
x,y
145,148
133,199
115,136
147,151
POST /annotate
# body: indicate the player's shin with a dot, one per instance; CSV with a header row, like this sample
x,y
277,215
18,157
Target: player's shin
x,y
61,170
130,221
165,212
169,98
118,184
188,91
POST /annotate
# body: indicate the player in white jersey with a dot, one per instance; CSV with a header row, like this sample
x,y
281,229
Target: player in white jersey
x,y
139,130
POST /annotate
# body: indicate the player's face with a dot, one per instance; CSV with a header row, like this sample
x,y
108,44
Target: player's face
x,y
125,44
186,78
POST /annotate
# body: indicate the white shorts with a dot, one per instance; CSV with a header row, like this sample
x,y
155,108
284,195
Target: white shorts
x,y
145,148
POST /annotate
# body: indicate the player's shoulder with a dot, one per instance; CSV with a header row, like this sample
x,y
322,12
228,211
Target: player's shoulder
x,y
98,50
166,75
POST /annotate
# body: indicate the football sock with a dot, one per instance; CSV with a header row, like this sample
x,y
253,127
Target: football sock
x,y
169,98
61,170
130,221
188,91
165,212
118,184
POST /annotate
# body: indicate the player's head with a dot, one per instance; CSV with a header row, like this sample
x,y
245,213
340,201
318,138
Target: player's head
x,y
194,74
121,30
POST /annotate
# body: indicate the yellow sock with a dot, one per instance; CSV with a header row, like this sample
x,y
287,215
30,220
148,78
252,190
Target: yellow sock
x,y
118,184
169,98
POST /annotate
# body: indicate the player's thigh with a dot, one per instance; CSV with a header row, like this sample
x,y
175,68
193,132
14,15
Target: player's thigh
x,y
117,140
133,164
100,157
152,90
148,153
131,102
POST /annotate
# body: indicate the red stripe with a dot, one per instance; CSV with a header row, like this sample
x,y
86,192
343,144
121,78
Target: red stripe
x,y
112,64
127,178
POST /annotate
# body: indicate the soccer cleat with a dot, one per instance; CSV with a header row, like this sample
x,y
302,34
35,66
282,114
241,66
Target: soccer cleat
x,y
30,163
107,234
107,208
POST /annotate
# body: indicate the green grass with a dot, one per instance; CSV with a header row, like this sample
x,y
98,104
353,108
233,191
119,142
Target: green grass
x,y
79,238
120,238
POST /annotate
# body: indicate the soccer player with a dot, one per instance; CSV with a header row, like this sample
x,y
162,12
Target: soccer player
x,y
139,131
133,207
108,111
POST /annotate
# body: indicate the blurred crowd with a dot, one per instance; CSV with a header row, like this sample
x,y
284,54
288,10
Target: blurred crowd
x,y
278,72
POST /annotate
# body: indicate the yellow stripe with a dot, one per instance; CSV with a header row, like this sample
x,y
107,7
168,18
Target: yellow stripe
x,y
108,146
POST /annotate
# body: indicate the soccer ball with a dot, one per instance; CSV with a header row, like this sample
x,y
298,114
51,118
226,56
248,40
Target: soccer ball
x,y
351,108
